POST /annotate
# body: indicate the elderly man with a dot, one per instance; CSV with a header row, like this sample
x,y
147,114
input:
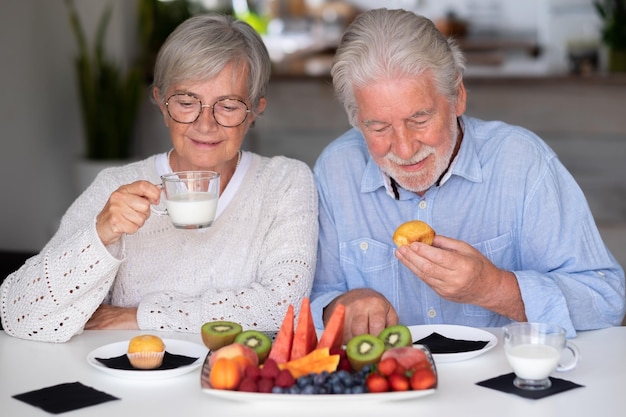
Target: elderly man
x,y
515,240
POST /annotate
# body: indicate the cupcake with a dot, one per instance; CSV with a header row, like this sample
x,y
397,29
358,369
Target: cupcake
x,y
146,351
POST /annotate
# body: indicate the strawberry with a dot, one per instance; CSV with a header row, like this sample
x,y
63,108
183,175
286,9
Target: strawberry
x,y
376,383
399,382
387,366
423,378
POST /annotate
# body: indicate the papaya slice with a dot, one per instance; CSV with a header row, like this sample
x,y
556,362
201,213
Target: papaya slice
x,y
313,356
332,337
281,348
328,364
317,361
305,337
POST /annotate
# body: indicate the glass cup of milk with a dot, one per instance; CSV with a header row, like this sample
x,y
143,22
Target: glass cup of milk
x,y
535,350
190,198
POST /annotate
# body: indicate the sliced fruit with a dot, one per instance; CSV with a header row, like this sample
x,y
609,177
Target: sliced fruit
x,y
364,349
328,364
258,341
396,336
317,361
281,349
332,337
216,334
305,336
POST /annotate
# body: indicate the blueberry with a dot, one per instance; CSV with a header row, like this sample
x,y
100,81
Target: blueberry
x,y
308,390
358,389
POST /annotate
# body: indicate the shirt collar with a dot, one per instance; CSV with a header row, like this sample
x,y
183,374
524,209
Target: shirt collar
x,y
466,165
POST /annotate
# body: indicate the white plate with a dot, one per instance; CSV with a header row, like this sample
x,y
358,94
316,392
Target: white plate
x,y
357,398
173,346
455,332
263,397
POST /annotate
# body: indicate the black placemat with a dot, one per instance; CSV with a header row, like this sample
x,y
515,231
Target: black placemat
x,y
504,383
170,361
438,343
64,397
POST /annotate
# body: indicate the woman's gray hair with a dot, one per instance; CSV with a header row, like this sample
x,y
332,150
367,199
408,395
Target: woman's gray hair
x,y
386,44
203,45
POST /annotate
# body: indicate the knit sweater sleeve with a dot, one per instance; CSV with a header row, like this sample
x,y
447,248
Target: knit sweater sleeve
x,y
265,251
51,297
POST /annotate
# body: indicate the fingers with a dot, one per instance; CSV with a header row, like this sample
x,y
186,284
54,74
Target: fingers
x,y
126,210
367,311
111,317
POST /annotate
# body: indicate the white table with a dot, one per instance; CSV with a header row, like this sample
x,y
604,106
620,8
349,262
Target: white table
x,y
602,370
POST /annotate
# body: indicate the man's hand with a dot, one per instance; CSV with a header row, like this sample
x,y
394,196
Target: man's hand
x,y
367,311
126,210
458,272
108,317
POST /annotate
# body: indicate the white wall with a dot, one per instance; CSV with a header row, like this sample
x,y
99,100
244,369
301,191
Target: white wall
x,y
553,22
40,127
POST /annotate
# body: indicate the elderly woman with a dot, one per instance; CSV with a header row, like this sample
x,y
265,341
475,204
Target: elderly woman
x,y
113,265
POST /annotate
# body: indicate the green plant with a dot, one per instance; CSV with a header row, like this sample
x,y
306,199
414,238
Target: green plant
x,y
613,15
157,19
110,95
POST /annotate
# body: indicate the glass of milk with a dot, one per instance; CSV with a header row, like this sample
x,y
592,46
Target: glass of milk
x,y
190,198
535,350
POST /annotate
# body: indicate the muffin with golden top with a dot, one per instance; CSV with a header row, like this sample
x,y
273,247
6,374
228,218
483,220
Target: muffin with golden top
x,y
146,351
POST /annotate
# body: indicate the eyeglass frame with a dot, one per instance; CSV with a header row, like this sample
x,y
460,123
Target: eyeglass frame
x,y
202,106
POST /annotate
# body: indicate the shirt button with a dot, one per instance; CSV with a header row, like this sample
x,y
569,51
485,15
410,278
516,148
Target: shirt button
x,y
422,204
363,246
432,313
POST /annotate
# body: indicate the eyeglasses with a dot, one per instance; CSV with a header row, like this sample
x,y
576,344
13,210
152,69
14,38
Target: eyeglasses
x,y
227,112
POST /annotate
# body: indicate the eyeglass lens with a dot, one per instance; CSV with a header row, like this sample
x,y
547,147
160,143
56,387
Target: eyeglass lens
x,y
228,112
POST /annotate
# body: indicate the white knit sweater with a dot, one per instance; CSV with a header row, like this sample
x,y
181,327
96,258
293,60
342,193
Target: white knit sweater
x,y
256,259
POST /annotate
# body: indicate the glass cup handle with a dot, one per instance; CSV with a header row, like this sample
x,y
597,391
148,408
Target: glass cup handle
x,y
573,361
156,210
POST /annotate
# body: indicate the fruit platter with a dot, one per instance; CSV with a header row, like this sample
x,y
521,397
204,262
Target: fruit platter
x,y
249,365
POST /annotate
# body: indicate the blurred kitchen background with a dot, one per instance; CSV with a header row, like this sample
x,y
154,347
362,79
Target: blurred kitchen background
x,y
542,64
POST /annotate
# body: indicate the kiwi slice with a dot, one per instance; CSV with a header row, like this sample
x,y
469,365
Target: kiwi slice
x,y
396,336
364,349
258,341
216,334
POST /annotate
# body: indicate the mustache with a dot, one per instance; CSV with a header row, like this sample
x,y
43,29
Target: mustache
x,y
424,152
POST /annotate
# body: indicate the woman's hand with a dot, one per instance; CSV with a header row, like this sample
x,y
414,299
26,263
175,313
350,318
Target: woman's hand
x,y
367,311
126,210
108,317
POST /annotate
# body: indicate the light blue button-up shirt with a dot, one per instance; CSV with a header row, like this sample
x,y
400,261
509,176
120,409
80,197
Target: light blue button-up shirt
x,y
506,194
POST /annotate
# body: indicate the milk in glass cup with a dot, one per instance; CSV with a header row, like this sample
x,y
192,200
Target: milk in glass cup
x,y
190,198
534,352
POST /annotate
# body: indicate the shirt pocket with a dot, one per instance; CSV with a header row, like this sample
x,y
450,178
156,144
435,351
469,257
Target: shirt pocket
x,y
369,260
500,251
